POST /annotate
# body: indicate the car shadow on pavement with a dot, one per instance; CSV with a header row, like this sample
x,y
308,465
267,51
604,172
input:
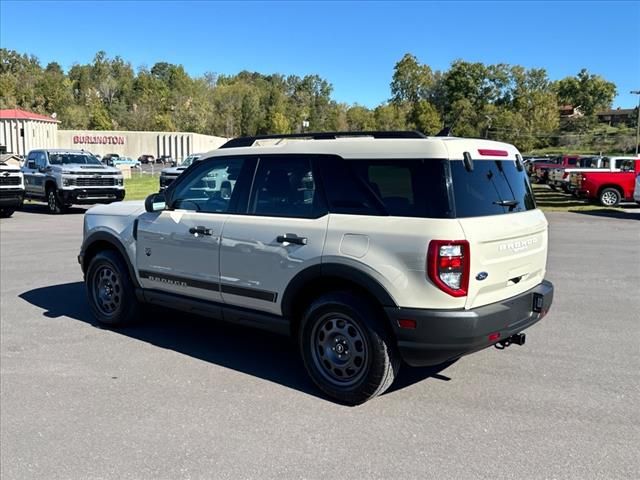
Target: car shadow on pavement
x,y
631,212
261,354
42,209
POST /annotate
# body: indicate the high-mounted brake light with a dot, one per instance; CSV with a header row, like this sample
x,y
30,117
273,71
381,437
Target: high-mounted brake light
x,y
448,266
487,152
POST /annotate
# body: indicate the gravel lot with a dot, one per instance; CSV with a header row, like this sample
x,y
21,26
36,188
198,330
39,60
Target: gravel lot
x,y
182,397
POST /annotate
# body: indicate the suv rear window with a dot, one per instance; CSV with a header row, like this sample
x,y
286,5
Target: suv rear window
x,y
492,188
406,188
427,188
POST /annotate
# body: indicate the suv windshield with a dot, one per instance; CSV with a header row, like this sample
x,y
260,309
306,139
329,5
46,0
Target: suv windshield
x,y
73,158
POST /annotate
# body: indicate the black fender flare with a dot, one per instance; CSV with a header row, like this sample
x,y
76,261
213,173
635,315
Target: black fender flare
x,y
345,272
113,241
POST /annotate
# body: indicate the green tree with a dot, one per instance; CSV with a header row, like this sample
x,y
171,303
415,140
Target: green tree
x,y
590,92
411,81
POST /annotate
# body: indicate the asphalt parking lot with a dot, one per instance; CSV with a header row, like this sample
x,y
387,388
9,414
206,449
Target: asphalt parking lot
x,y
181,397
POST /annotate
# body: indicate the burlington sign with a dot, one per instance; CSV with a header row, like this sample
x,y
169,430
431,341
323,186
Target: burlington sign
x,y
99,139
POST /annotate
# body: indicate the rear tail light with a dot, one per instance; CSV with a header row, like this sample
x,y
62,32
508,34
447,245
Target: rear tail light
x,y
448,266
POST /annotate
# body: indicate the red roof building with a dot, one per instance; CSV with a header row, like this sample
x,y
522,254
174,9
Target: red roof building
x,y
22,131
17,114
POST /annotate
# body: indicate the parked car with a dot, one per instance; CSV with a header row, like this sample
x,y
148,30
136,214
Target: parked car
x,y
560,177
367,248
146,159
609,188
66,177
165,159
109,158
126,161
168,175
11,184
606,164
540,172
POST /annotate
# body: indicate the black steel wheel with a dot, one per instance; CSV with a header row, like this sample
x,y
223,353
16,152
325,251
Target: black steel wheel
x,y
341,353
110,290
346,349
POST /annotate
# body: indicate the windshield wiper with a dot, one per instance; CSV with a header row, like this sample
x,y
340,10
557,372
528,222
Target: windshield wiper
x,y
507,203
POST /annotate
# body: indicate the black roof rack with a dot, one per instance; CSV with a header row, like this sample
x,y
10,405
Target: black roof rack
x,y
248,141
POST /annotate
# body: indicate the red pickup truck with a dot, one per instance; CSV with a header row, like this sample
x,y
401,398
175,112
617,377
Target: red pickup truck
x,y
610,188
540,172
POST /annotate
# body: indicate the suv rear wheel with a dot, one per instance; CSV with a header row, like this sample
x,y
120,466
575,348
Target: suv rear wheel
x,y
345,348
110,290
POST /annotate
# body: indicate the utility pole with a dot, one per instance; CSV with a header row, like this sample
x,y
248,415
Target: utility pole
x,y
637,92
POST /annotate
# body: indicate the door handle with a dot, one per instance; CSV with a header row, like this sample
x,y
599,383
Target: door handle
x,y
292,238
200,230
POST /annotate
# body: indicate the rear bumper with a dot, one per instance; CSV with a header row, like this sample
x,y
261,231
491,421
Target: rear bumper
x,y
443,335
11,198
89,196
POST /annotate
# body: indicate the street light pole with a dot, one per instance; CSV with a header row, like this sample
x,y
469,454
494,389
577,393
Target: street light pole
x,y
637,92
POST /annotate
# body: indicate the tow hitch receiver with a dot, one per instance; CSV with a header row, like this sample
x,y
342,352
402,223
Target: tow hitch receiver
x,y
517,339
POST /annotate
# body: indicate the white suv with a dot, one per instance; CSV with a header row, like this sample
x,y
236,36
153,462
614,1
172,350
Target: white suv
x,y
368,248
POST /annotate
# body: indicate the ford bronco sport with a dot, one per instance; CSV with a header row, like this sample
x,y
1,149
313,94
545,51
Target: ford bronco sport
x,y
368,248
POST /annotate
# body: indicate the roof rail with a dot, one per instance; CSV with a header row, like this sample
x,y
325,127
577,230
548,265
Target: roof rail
x,y
248,141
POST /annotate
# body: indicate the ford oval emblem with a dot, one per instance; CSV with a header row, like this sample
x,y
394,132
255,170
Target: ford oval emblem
x,y
481,276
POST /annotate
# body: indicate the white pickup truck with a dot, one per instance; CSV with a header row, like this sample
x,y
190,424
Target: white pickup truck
x,y
561,177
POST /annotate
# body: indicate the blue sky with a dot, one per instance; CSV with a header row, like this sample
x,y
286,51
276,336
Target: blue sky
x,y
354,45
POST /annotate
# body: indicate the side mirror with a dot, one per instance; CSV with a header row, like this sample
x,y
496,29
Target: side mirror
x,y
155,202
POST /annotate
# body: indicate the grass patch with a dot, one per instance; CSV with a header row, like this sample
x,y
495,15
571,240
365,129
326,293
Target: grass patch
x,y
141,185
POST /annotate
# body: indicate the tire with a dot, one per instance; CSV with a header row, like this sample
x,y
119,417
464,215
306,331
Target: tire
x,y
552,187
609,197
6,212
345,348
110,291
54,204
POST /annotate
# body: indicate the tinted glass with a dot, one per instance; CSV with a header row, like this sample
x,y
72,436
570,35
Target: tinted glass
x,y
492,188
345,193
285,187
72,158
209,188
406,188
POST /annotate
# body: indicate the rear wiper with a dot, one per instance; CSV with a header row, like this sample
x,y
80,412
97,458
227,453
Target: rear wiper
x,y
507,203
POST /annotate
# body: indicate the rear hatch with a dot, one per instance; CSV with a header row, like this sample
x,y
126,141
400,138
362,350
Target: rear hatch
x,y
507,235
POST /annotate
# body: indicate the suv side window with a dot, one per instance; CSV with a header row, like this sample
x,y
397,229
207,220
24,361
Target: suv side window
x,y
209,187
286,187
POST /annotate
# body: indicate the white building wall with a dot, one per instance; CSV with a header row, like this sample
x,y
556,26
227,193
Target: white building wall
x,y
20,136
133,144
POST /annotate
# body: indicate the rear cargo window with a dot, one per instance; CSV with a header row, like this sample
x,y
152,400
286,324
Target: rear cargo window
x,y
492,188
406,188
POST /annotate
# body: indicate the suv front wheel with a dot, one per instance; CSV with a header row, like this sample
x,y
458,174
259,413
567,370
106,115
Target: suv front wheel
x,y
110,290
345,348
